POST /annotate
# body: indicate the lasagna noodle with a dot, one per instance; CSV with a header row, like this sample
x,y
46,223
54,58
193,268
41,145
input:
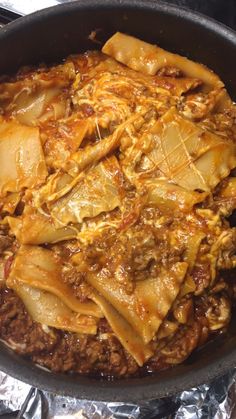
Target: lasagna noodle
x,y
10,202
41,269
32,105
187,155
40,97
170,197
147,58
150,302
124,332
122,92
63,138
155,84
35,228
92,154
21,157
100,191
49,310
192,243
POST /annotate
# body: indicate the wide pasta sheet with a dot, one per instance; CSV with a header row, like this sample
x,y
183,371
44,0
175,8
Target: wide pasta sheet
x,y
21,157
40,268
185,154
150,302
99,191
148,58
127,336
36,228
49,310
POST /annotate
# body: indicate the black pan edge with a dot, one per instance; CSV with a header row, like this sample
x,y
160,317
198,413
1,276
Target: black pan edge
x,y
136,390
171,9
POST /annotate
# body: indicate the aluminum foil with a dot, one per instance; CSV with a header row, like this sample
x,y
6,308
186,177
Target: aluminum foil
x,y
215,401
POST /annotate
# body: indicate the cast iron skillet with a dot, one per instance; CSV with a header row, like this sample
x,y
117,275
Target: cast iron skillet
x,y
52,34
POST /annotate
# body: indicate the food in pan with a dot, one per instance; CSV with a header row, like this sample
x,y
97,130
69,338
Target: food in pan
x,y
117,184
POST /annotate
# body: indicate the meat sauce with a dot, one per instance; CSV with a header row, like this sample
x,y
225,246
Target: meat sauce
x,y
118,191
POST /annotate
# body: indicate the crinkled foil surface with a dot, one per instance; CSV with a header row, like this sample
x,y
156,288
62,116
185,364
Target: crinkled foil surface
x,y
216,400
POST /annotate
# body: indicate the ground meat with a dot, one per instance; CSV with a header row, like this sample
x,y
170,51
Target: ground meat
x,y
223,123
169,71
215,309
87,355
202,276
19,330
176,349
5,240
226,258
61,351
100,355
87,109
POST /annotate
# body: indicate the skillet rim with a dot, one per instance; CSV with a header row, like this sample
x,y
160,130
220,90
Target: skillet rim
x,y
133,389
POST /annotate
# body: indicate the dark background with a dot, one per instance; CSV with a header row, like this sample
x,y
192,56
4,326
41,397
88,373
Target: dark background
x,y
221,10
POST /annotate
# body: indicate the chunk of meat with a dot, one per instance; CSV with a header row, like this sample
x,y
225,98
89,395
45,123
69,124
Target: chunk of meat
x,y
169,71
201,275
5,242
178,347
19,330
